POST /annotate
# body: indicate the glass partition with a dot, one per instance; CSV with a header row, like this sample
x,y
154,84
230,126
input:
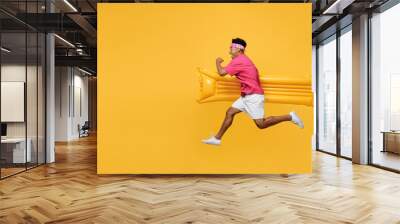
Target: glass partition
x,y
41,107
32,95
22,90
14,153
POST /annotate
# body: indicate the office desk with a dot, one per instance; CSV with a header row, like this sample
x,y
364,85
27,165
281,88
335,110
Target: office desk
x,y
13,150
391,141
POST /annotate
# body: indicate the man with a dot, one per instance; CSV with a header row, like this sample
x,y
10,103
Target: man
x,y
251,100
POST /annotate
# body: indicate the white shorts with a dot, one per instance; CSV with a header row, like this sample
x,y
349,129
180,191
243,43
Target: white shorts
x,y
252,104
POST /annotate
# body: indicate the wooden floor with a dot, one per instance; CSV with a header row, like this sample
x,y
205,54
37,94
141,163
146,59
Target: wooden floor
x,y
69,191
5,172
386,159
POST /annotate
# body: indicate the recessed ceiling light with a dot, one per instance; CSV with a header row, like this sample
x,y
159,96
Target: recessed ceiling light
x,y
64,40
5,50
84,71
338,6
70,5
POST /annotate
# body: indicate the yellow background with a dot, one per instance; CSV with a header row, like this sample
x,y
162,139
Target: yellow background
x,y
148,117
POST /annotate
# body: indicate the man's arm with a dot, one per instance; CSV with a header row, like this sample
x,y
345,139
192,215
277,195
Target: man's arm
x,y
221,70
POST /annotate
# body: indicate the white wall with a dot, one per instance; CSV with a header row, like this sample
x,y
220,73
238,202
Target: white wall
x,y
71,93
62,81
81,84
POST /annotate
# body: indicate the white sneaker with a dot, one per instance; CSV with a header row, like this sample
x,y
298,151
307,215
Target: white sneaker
x,y
212,141
296,119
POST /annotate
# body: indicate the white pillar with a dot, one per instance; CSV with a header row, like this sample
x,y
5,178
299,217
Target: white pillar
x,y
50,92
360,90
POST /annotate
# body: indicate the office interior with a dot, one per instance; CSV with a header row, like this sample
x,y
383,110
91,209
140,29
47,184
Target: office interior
x,y
45,83
334,71
49,92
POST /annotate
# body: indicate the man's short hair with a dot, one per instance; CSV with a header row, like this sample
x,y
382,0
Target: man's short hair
x,y
239,41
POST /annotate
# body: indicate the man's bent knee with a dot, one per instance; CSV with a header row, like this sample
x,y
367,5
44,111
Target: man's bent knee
x,y
260,123
232,112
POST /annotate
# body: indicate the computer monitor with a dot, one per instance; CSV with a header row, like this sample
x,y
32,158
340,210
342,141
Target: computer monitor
x,y
3,129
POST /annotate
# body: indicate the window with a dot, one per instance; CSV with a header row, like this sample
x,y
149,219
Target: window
x,y
327,95
346,92
385,89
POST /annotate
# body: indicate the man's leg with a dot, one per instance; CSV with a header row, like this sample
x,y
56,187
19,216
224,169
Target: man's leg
x,y
272,120
230,114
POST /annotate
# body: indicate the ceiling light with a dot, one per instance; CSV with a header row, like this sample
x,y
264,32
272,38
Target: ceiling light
x,y
64,40
70,5
5,50
84,71
338,6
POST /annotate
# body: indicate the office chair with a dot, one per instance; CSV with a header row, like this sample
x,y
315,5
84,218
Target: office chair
x,y
84,130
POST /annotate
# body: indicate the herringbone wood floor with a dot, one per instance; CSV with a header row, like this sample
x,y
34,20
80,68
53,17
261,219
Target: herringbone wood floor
x,y
69,191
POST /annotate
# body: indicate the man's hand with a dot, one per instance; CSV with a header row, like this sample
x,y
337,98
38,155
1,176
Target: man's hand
x,y
220,69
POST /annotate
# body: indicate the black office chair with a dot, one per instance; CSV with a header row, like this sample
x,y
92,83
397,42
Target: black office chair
x,y
84,130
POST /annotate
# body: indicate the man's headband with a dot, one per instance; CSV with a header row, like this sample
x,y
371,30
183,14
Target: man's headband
x,y
238,46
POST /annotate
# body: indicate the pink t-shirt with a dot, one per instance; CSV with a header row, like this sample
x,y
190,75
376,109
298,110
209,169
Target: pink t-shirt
x,y
243,68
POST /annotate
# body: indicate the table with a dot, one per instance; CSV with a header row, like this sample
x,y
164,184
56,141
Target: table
x,y
391,141
16,151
